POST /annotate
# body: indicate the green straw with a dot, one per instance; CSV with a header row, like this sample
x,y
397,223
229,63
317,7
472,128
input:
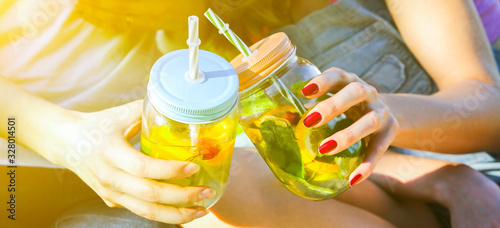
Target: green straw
x,y
228,33
236,41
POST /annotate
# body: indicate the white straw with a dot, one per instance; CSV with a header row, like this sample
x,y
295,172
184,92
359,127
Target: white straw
x,y
194,47
193,133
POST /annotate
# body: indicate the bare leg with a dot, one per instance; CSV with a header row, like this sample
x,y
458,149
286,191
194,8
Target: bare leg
x,y
371,197
255,197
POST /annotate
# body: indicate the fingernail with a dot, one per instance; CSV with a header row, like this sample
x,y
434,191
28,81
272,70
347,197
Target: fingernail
x,y
355,179
207,193
310,89
200,213
312,119
191,168
328,146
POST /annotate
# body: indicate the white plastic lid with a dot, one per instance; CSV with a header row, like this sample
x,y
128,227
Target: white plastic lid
x,y
176,96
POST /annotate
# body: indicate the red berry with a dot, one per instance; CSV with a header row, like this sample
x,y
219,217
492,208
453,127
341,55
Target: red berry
x,y
208,148
292,117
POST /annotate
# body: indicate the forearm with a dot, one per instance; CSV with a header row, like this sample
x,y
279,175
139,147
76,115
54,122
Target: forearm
x,y
459,119
448,40
37,120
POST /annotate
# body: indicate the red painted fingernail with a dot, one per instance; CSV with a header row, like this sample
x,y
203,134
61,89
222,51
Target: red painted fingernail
x,y
310,89
355,180
328,146
312,119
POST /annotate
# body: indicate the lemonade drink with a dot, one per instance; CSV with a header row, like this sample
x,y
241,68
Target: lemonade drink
x,y
272,109
212,151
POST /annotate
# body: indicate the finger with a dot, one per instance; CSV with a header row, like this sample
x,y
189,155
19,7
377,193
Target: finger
x,y
330,80
352,94
138,164
343,139
98,189
376,148
159,212
153,191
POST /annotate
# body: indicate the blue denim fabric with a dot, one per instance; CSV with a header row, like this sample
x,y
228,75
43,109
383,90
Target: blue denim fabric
x,y
496,54
96,214
359,36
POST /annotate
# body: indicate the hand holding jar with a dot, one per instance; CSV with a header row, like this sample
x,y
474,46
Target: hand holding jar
x,y
349,91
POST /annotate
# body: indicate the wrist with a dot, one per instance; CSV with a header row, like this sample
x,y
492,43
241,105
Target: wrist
x,y
392,104
58,129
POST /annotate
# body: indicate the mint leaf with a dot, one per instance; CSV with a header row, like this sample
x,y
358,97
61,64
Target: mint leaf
x,y
282,148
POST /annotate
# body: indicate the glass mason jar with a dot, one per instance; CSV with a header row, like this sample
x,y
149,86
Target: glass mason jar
x,y
194,121
272,109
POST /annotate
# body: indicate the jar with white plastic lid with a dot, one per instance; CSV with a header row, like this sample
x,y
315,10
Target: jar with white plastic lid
x,y
192,120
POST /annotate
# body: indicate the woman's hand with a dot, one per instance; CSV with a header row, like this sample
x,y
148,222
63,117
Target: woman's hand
x,y
350,91
95,147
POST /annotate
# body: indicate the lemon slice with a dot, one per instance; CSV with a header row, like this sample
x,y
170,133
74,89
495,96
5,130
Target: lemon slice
x,y
309,140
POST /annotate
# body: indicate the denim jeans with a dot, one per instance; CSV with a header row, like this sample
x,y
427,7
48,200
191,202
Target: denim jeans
x,y
360,37
496,55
